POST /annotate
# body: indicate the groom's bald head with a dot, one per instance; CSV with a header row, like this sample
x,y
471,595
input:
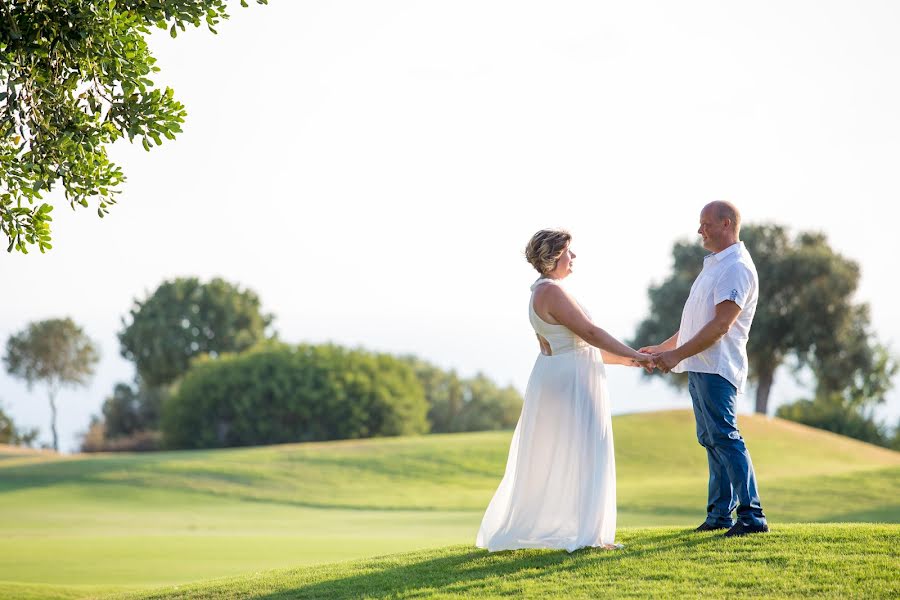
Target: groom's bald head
x,y
722,210
720,225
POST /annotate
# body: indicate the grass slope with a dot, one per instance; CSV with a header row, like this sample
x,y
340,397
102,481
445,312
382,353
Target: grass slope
x,y
76,526
793,561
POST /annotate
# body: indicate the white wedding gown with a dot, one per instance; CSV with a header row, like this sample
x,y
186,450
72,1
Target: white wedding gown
x,y
559,489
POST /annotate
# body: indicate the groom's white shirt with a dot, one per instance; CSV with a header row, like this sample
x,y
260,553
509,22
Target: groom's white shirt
x,y
728,275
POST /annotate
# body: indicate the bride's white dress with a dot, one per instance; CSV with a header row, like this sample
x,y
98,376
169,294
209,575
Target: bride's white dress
x,y
559,489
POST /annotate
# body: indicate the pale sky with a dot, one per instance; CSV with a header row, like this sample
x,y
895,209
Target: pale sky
x,y
373,171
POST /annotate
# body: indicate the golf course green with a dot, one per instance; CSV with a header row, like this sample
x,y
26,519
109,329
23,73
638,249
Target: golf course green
x,y
139,524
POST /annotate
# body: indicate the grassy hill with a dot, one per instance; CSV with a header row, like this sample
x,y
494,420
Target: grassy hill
x,y
793,561
85,525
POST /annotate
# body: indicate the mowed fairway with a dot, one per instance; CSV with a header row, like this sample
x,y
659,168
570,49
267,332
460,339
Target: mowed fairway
x,y
793,561
87,525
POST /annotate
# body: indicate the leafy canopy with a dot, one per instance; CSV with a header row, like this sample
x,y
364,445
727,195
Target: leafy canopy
x,y
806,312
185,318
56,352
74,78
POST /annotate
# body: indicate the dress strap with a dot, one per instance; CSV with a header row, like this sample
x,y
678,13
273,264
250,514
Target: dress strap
x,y
542,281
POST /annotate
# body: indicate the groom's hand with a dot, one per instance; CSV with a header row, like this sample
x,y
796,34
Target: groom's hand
x,y
647,362
649,350
666,361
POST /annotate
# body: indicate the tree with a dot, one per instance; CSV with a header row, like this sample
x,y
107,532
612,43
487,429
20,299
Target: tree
x,y
75,77
456,404
10,434
55,352
806,311
131,409
185,318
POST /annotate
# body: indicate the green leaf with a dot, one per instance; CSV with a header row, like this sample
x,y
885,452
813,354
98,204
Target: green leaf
x,y
100,37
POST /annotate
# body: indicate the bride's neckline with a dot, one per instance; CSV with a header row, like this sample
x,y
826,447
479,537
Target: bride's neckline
x,y
542,280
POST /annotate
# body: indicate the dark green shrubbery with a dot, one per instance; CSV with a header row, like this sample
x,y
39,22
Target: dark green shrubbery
x,y
278,394
833,415
457,404
12,435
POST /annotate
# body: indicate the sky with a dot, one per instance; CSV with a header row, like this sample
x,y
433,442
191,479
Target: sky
x,y
373,170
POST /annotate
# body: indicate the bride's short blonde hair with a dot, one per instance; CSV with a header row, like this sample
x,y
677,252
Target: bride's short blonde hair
x,y
545,248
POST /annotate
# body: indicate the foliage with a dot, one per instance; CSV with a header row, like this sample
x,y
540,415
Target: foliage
x,y
98,439
667,302
55,352
806,311
132,409
833,414
276,394
850,366
456,404
130,421
74,78
10,434
121,411
185,318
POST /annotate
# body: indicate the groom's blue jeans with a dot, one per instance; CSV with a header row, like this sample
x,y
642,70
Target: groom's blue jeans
x,y
732,482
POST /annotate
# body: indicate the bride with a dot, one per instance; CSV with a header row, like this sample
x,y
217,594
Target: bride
x,y
559,489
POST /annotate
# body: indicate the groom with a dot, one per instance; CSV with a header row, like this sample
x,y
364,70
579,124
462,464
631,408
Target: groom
x,y
711,345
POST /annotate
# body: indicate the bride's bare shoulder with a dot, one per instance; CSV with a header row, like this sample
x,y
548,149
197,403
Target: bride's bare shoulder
x,y
548,293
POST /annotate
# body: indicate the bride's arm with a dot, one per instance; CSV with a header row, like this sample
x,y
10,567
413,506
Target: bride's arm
x,y
614,359
567,312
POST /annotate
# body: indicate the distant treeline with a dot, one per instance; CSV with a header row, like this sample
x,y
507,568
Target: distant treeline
x,y
276,393
210,375
210,372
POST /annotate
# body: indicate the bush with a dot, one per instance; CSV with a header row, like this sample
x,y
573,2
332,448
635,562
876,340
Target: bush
x,y
97,440
278,394
132,409
456,404
833,415
10,434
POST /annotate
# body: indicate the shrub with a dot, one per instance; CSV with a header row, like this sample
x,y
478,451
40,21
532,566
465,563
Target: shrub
x,y
833,415
97,439
278,394
456,404
12,435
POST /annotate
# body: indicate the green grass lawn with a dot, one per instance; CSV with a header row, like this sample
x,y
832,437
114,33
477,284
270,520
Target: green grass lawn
x,y
793,561
86,525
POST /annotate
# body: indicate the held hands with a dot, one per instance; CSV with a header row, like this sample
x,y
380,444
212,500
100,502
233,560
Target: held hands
x,y
664,360
644,360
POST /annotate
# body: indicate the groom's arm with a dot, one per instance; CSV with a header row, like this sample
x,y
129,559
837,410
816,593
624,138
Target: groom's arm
x,y
726,314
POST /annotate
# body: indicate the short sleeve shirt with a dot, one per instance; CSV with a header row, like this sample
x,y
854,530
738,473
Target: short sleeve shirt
x,y
728,275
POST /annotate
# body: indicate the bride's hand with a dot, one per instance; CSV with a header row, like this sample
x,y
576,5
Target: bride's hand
x,y
642,359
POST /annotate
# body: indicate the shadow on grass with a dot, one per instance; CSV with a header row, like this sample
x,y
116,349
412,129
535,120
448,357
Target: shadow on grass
x,y
469,573
147,471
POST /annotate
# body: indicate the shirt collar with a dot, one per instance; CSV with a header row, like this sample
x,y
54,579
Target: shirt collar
x,y
735,247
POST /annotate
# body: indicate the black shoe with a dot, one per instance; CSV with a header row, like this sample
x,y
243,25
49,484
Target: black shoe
x,y
741,529
707,527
